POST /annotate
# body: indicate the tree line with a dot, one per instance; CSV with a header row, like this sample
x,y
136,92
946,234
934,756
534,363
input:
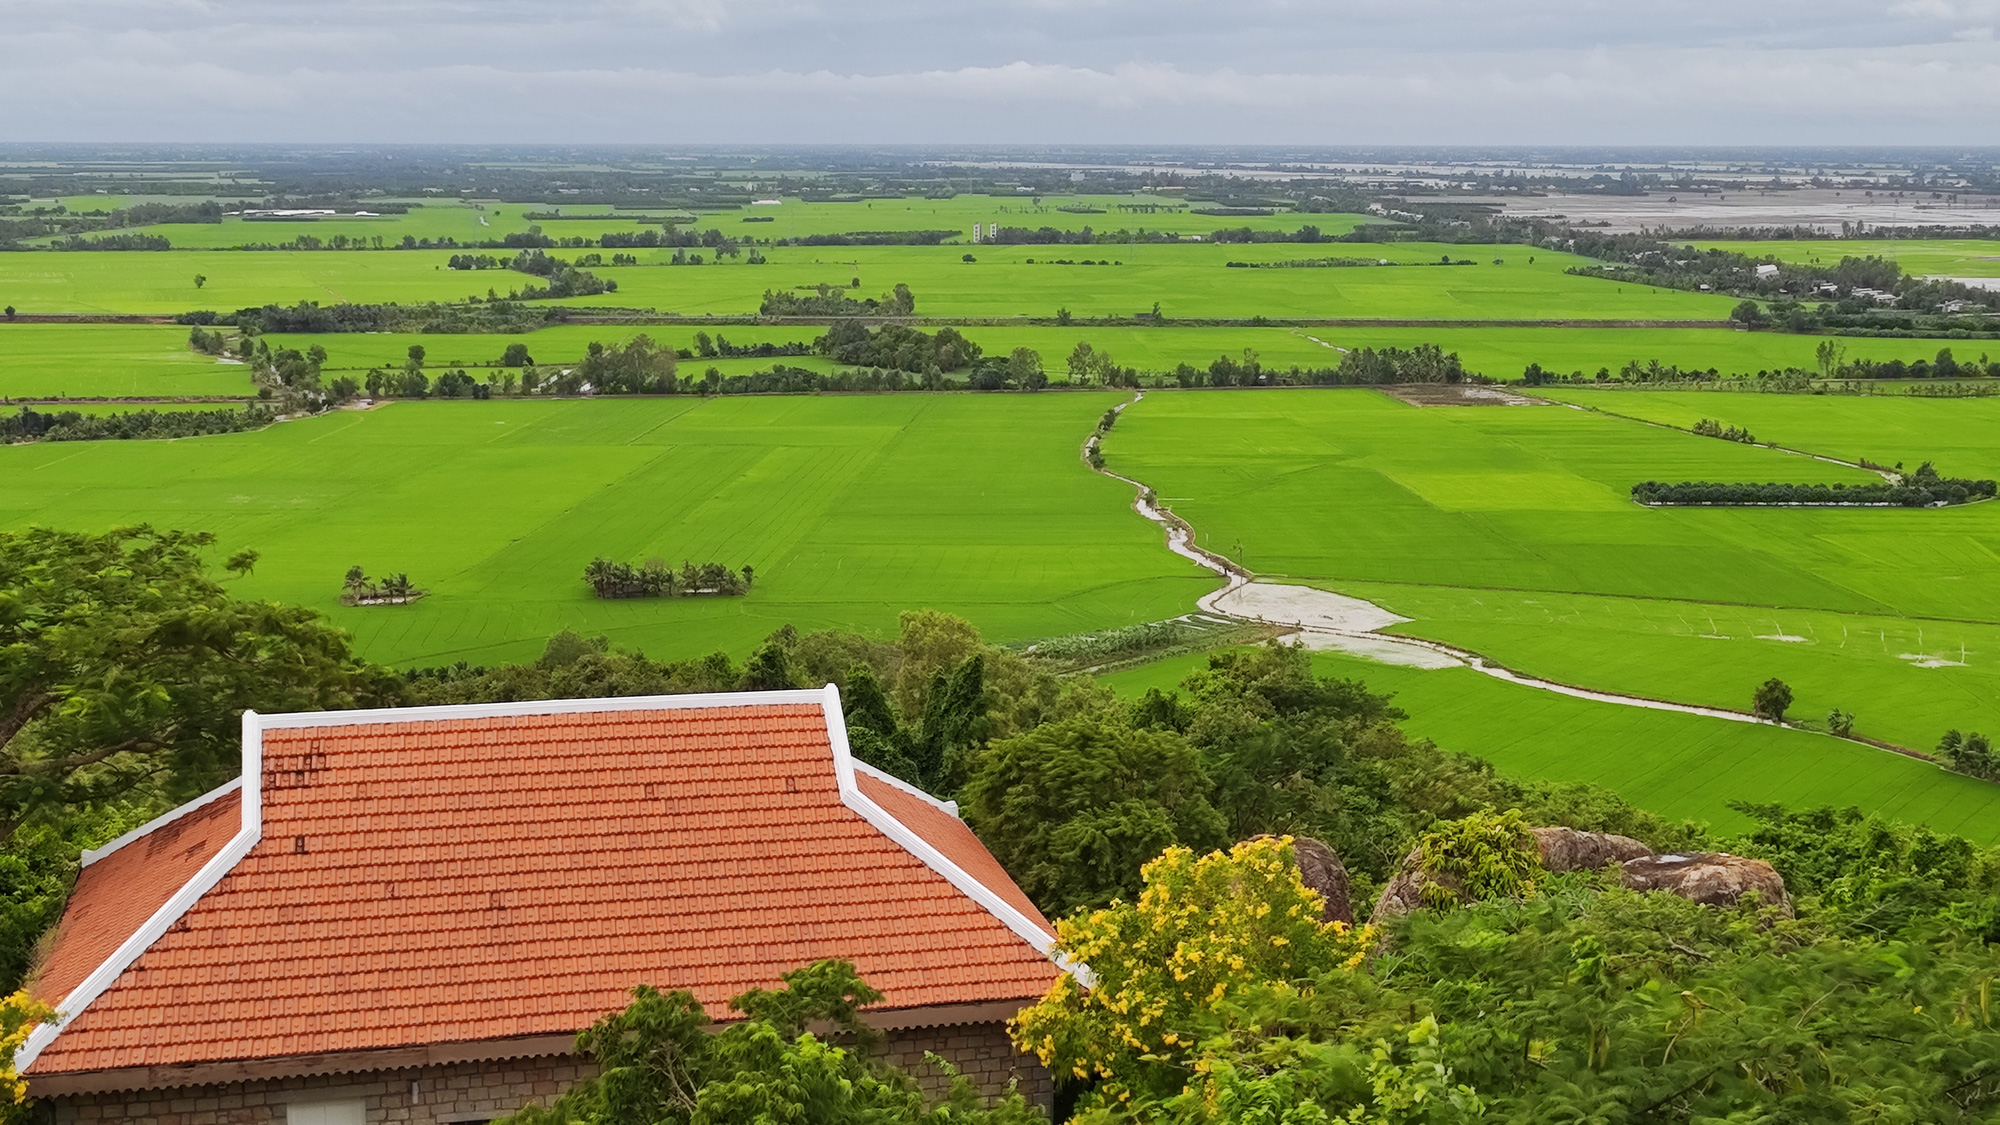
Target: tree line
x,y
655,579
130,425
829,301
1922,489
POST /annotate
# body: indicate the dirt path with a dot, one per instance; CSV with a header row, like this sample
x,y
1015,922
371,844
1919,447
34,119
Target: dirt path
x,y
1328,622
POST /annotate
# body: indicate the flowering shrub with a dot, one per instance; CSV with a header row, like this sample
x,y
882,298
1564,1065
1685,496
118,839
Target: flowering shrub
x,y
1204,931
20,1014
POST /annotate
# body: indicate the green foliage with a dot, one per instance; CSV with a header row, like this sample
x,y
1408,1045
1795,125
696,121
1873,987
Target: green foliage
x,y
1482,856
1866,876
124,667
38,865
1771,699
571,667
768,669
798,1054
1073,808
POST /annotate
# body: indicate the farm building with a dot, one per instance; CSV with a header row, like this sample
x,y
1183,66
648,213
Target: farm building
x,y
406,915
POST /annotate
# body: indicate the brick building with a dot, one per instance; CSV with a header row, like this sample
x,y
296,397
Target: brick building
x,y
404,916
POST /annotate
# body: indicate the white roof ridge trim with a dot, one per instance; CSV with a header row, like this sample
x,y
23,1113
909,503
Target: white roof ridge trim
x,y
897,783
180,902
913,842
449,711
92,855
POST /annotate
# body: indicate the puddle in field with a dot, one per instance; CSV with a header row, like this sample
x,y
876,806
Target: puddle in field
x,y
1920,660
1788,638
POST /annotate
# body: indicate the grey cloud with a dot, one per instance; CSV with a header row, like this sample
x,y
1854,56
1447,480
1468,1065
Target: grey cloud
x,y
1301,71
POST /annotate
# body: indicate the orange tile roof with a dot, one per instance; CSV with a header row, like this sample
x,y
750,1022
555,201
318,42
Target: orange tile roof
x,y
462,874
121,887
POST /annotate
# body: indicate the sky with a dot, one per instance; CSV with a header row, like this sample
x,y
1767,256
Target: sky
x,y
1438,72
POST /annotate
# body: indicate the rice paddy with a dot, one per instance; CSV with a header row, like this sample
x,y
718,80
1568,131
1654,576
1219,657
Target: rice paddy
x,y
1505,531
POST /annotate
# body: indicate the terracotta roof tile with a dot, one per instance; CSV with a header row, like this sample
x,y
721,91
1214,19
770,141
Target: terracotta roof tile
x,y
116,894
490,877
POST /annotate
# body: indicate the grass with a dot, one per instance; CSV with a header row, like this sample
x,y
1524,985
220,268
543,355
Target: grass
x,y
1943,257
1681,766
851,509
110,360
1886,429
1186,280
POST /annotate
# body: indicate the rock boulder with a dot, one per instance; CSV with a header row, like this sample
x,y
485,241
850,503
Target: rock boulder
x,y
1322,871
1709,878
1566,849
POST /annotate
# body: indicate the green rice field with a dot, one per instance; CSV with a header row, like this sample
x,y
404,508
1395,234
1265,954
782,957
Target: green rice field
x,y
1185,280
110,361
851,509
1508,531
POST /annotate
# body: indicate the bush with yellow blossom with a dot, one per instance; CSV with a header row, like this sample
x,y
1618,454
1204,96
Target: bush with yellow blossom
x,y
20,1014
1205,931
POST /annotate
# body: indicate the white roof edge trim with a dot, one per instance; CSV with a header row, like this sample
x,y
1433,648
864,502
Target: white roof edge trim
x,y
906,838
450,711
211,873
894,782
92,855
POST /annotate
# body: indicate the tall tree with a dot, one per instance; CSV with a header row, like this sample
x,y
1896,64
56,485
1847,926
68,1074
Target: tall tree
x,y
123,665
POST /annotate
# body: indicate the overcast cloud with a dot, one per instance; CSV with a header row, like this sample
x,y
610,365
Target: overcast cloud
x,y
1082,71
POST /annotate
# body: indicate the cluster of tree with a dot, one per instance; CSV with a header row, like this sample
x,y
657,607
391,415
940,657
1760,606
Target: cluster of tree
x,y
1854,286
335,242
475,262
1307,233
1019,370
637,367
827,301
23,224
873,238
432,317
391,589
655,579
1970,754
113,242
206,342
1709,427
711,348
1310,264
898,347
1832,364
1919,491
129,425
669,236
564,278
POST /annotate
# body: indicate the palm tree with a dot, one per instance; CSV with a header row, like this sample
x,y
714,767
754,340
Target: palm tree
x,y
599,574
357,584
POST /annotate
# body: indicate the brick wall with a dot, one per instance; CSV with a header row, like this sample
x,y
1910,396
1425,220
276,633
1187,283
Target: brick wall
x,y
467,1092
980,1051
431,1095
